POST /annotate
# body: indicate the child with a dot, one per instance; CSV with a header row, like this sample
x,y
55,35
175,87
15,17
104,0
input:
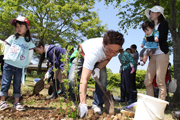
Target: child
x,y
126,85
148,47
16,58
54,55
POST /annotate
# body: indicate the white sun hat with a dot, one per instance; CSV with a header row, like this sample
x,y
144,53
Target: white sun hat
x,y
154,9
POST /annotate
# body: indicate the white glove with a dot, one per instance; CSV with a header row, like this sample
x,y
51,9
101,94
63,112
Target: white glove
x,y
83,110
96,73
47,75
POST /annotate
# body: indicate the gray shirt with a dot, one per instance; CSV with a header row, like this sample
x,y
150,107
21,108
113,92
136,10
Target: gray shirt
x,y
135,56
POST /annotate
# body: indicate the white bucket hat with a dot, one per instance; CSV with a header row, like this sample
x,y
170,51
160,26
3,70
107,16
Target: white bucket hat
x,y
154,9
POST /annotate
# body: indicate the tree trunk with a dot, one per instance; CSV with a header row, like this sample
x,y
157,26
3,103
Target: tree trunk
x,y
176,59
42,57
176,50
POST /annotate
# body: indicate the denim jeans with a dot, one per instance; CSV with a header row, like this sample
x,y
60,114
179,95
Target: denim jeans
x,y
8,72
98,100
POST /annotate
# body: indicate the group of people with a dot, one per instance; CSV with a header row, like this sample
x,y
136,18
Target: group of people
x,y
95,54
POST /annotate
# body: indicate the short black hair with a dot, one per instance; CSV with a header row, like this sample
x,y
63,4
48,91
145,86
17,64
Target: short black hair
x,y
147,24
128,49
39,44
134,46
113,37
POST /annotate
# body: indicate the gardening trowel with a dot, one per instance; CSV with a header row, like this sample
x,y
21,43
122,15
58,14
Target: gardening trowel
x,y
108,100
38,86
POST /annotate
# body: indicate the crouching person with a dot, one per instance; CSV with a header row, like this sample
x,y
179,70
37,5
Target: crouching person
x,y
95,54
53,54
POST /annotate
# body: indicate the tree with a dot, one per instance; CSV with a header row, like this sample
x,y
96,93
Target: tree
x,y
6,13
132,14
58,21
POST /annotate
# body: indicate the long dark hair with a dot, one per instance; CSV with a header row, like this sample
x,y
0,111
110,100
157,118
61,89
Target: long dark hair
x,y
160,18
27,36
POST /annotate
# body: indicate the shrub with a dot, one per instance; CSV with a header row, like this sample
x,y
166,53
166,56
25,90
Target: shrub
x,y
140,76
114,80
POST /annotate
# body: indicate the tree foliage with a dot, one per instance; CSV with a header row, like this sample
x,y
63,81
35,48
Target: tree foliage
x,y
132,14
54,21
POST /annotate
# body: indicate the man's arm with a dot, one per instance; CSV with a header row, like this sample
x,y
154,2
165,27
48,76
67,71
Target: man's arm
x,y
83,86
84,80
102,64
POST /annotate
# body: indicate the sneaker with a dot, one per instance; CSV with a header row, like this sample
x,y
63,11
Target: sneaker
x,y
18,106
97,109
3,105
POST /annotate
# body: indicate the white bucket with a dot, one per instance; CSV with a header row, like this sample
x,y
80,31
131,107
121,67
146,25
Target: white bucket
x,y
149,108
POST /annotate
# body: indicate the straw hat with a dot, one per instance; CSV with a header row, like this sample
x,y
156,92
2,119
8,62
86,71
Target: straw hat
x,y
154,9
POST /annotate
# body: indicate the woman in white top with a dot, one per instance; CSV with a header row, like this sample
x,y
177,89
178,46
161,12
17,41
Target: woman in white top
x,y
158,62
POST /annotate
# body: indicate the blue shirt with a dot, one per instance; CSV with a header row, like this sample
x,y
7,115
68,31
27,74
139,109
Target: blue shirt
x,y
58,55
148,44
18,53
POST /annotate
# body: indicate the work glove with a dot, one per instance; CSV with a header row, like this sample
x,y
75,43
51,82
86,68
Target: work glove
x,y
47,75
83,110
96,73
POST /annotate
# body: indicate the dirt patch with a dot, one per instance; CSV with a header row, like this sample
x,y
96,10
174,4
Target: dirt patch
x,y
43,111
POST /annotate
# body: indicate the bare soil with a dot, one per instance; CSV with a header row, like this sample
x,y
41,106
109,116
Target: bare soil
x,y
50,113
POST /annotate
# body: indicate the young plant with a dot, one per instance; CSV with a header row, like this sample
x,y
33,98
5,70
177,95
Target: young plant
x,y
72,113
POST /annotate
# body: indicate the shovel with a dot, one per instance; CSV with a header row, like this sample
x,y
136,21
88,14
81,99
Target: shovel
x,y
108,100
38,86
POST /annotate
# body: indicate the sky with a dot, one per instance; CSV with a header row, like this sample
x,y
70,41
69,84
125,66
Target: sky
x,y
135,36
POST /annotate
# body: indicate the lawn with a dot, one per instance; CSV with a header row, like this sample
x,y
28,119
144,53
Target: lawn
x,y
37,107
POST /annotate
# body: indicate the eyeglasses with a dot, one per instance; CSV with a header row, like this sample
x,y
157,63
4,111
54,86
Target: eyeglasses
x,y
110,51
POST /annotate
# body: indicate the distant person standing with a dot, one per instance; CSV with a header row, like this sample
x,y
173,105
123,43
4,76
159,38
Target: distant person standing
x,y
126,85
135,56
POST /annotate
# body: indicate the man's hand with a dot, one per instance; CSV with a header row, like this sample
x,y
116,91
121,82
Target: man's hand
x,y
47,75
96,73
83,110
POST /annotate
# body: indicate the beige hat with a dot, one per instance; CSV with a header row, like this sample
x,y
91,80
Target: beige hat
x,y
154,9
